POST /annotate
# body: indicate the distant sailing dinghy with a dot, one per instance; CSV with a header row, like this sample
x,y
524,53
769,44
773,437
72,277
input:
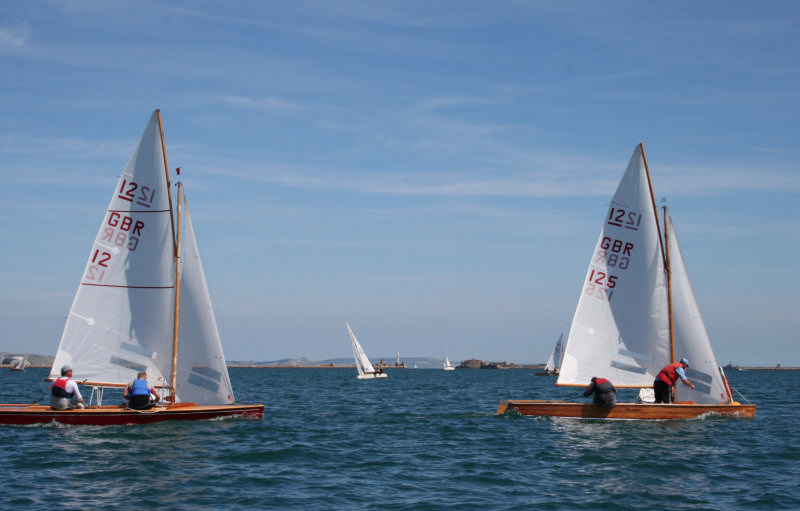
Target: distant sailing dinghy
x,y
365,369
447,365
637,311
20,366
553,365
143,290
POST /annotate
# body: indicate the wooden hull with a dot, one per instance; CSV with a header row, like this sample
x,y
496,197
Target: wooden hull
x,y
24,414
370,376
624,411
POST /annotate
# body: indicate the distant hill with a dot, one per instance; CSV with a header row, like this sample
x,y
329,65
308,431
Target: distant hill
x,y
7,358
421,362
413,362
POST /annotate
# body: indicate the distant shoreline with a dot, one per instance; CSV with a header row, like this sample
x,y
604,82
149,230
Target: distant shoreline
x,y
517,367
345,366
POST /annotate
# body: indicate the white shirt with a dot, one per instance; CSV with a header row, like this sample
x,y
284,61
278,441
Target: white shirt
x,y
70,387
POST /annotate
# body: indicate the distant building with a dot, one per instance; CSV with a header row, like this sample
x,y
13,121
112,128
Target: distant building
x,y
472,363
475,363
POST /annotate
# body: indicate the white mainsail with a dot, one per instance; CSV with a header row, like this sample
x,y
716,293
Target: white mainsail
x,y
554,362
121,320
362,362
447,365
691,337
620,328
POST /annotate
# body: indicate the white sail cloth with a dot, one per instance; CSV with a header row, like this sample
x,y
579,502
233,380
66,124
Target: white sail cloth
x,y
620,330
362,362
554,361
691,337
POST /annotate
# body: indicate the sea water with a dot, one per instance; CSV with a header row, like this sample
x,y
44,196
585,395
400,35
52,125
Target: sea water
x,y
419,439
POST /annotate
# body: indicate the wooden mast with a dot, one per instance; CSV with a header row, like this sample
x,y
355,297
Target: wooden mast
x,y
166,173
669,289
664,254
668,270
176,322
652,199
176,251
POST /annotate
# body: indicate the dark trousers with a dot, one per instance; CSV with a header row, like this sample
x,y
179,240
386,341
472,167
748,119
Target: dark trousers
x,y
140,402
662,391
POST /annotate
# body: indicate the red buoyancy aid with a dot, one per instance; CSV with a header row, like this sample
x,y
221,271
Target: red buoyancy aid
x,y
60,388
669,375
598,381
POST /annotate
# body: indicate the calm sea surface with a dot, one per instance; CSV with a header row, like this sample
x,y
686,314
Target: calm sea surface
x,y
420,439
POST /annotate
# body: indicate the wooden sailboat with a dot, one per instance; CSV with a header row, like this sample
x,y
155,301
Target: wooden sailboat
x,y
20,366
636,311
143,290
553,365
365,369
447,365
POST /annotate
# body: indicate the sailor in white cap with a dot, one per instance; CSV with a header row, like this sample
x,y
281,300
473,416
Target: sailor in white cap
x,y
65,393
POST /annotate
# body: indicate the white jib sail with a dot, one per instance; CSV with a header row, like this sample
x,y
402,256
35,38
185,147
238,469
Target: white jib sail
x,y
619,330
362,362
202,372
691,337
120,321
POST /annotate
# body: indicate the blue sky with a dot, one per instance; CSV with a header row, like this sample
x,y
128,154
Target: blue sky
x,y
435,173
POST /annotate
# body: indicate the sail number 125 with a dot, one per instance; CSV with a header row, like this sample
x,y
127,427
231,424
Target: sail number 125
x,y
600,285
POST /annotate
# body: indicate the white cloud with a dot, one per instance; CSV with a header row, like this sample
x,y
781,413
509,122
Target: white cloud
x,y
264,104
16,35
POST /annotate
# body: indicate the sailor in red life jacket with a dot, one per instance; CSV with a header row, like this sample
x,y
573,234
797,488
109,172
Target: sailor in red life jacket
x,y
603,390
667,378
65,393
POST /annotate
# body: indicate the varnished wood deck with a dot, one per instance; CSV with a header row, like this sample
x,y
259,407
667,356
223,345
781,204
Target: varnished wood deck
x,y
623,411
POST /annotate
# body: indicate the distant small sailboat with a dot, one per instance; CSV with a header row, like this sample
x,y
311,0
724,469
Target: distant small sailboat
x,y
447,365
365,369
732,367
20,366
553,364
